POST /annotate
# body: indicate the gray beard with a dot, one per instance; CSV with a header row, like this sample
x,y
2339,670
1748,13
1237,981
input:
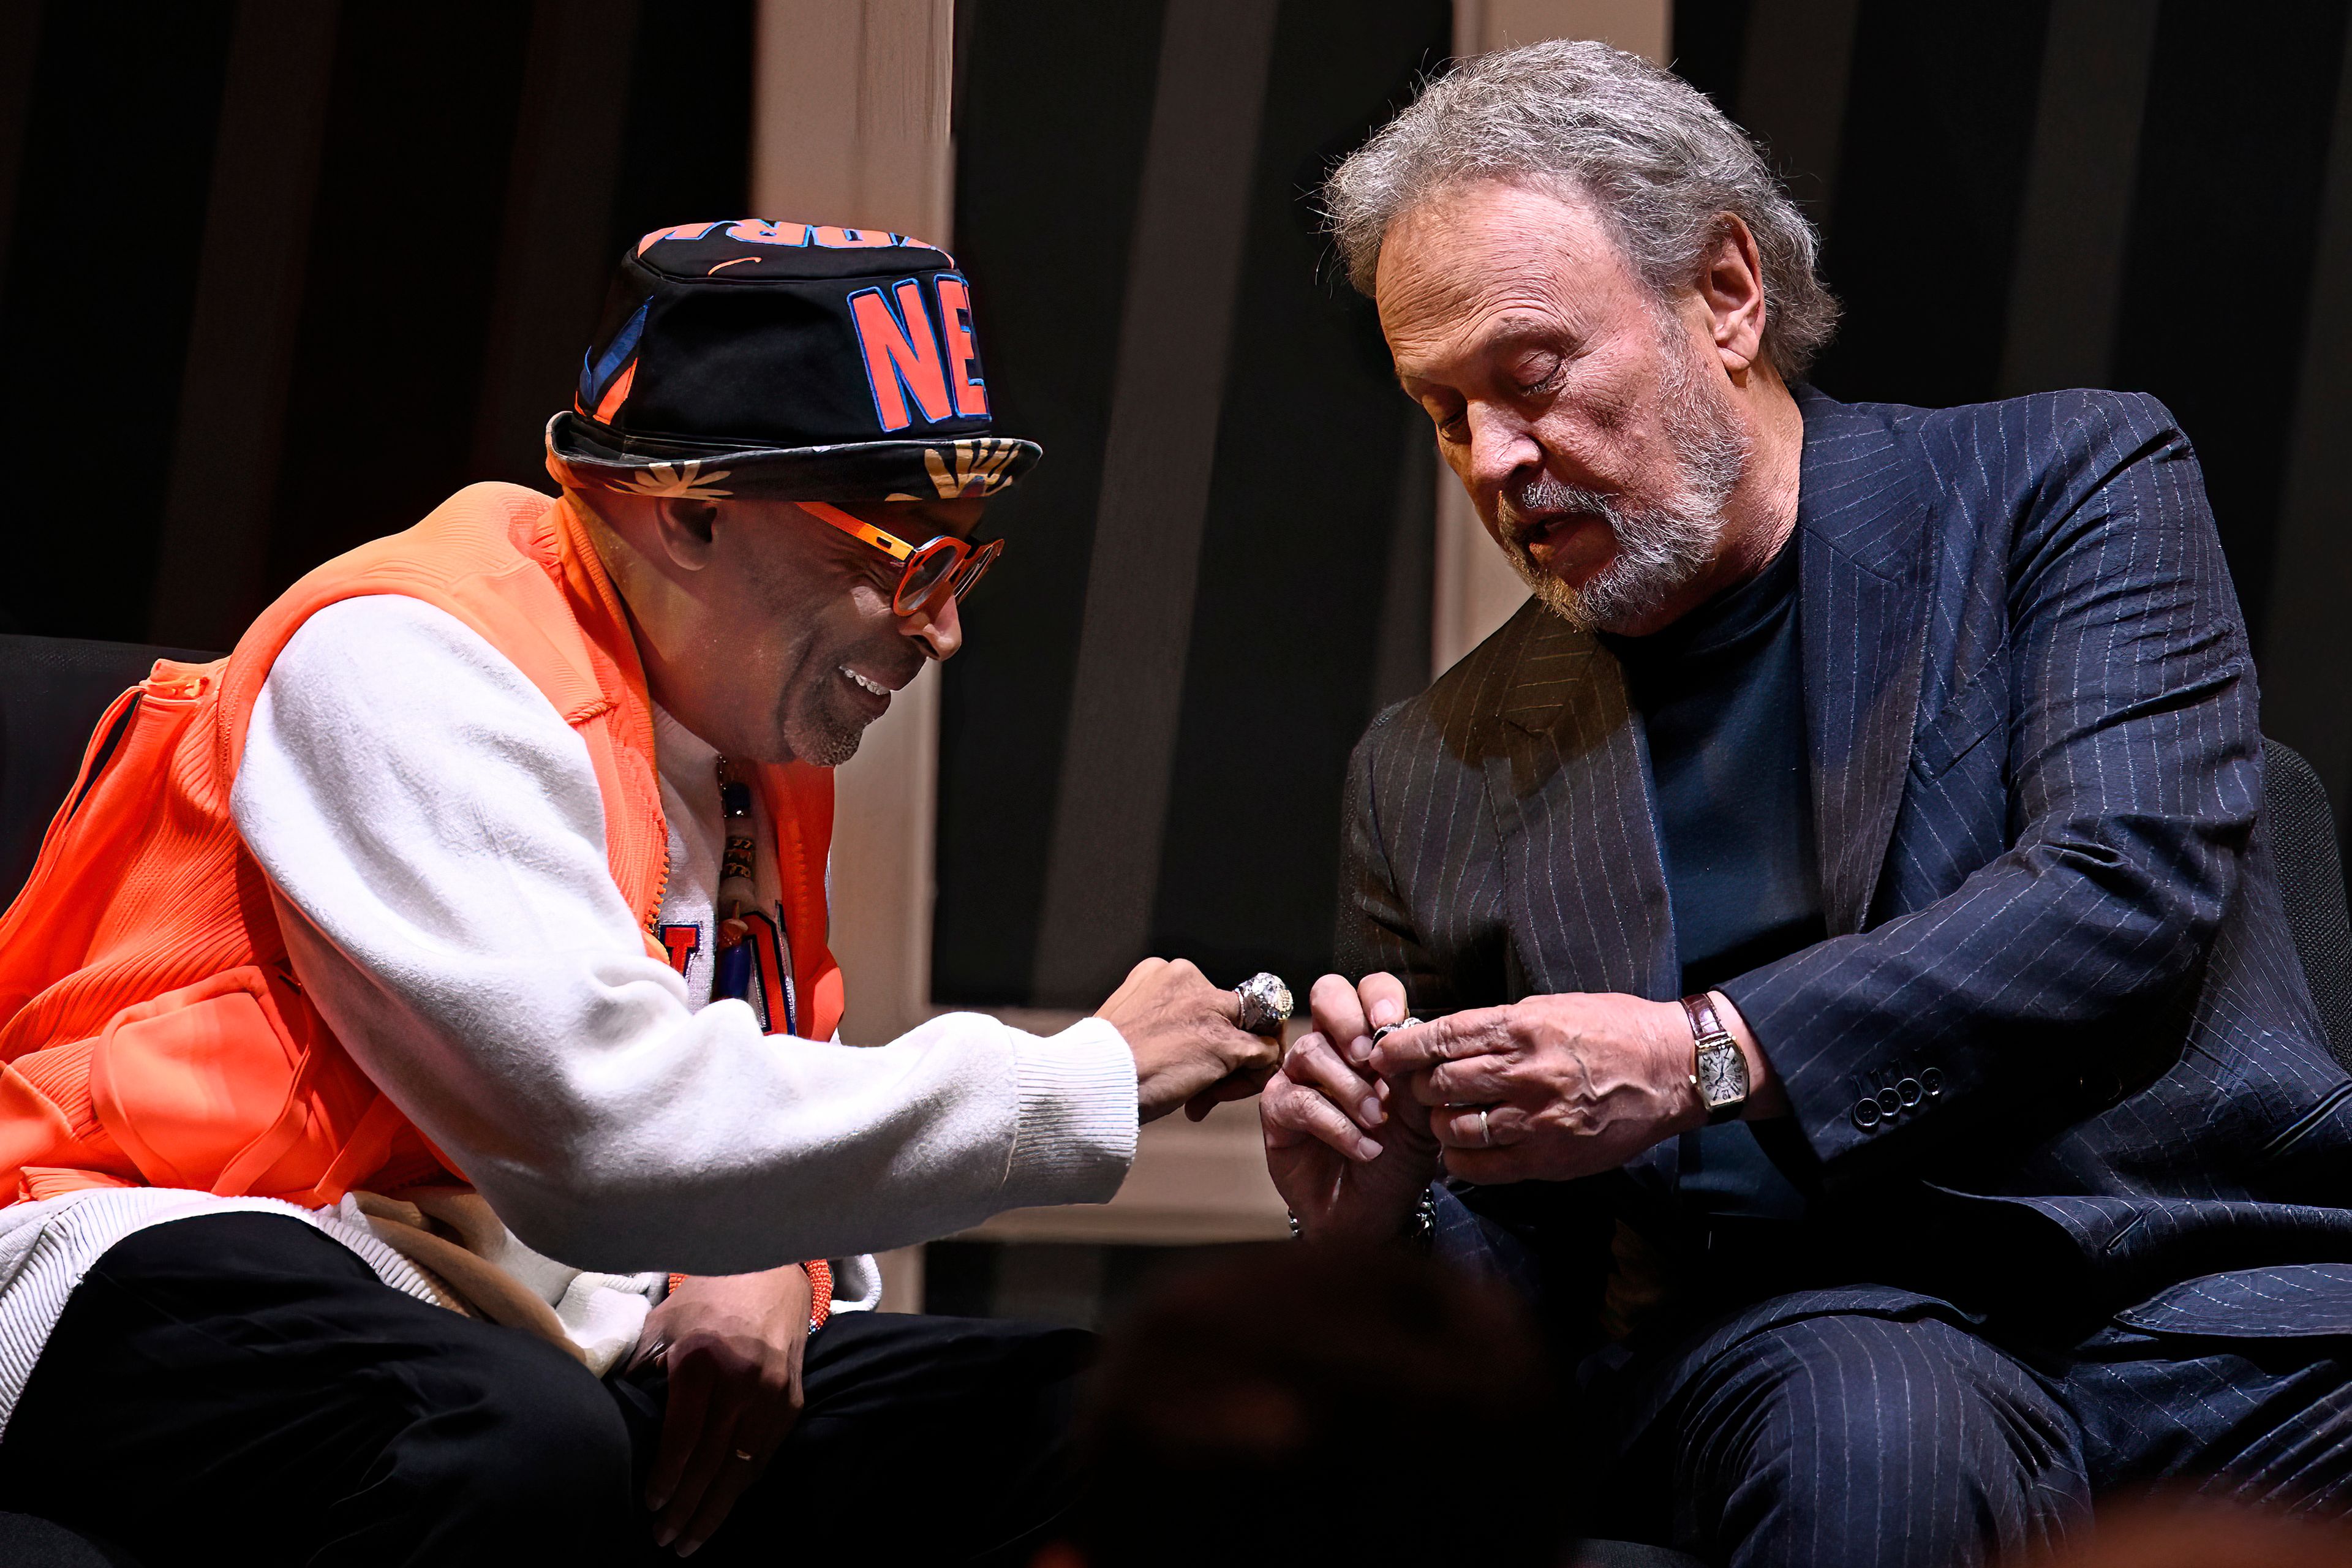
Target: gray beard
x,y
1659,546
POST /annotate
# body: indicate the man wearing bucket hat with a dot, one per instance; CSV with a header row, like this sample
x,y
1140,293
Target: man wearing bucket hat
x,y
471,915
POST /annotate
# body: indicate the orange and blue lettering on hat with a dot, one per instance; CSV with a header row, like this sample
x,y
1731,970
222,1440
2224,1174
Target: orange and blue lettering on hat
x,y
803,360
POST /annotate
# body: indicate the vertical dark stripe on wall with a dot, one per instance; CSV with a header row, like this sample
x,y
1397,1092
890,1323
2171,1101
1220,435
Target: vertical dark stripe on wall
x,y
2307,701
1710,40
1792,90
1101,871
1055,109
1401,660
2068,279
213,558
403,256
687,153
2238,117
1313,447
109,224
20,41
1938,130
551,273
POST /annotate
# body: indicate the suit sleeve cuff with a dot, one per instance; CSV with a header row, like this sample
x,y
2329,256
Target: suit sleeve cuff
x,y
1076,1136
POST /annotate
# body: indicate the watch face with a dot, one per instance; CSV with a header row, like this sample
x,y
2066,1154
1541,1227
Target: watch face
x,y
1722,1076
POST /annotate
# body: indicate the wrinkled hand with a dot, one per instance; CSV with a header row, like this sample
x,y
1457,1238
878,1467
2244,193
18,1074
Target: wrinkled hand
x,y
1555,1086
1187,1039
1348,1154
732,1347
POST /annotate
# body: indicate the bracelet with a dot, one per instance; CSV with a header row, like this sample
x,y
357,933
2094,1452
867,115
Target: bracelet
x,y
1420,1229
820,1274
1423,1230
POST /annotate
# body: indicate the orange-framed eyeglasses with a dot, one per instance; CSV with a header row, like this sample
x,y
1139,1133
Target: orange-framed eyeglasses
x,y
945,564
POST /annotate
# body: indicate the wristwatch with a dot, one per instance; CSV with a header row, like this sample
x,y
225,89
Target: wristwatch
x,y
1720,1072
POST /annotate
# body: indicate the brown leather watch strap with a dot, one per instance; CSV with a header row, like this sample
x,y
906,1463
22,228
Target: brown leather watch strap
x,y
1703,1019
1710,1040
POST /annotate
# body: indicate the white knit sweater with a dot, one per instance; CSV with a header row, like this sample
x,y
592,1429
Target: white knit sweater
x,y
435,837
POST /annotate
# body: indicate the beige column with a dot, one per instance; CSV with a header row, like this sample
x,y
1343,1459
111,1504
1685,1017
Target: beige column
x,y
849,126
1474,589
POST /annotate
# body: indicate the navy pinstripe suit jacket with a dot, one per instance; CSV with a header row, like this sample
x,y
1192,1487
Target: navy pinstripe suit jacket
x,y
2036,775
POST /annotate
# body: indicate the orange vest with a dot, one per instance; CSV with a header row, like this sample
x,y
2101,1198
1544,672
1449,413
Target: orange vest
x,y
152,1031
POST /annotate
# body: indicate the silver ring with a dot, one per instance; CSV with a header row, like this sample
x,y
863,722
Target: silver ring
x,y
1385,1030
1485,1133
1265,1005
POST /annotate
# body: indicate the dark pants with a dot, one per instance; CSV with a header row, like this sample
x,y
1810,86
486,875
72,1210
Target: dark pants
x,y
1851,1440
242,1383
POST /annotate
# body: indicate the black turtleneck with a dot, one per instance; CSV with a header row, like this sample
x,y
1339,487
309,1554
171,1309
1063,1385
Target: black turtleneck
x,y
1721,695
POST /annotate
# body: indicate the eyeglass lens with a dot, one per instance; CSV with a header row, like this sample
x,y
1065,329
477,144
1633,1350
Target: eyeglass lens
x,y
976,566
943,563
927,569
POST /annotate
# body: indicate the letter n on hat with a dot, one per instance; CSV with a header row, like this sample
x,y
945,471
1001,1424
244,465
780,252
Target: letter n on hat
x,y
789,359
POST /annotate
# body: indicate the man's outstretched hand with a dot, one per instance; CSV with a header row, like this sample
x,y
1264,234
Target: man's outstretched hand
x,y
1547,1088
1188,1043
1350,1156
1552,1087
733,1346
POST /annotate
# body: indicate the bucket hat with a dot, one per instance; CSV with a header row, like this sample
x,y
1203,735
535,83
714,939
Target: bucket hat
x,y
786,360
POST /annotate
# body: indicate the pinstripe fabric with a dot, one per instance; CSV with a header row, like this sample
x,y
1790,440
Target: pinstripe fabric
x,y
2036,771
1859,1429
2036,779
1858,1441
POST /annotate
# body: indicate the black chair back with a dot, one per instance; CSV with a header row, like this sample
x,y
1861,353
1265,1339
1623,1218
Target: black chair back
x,y
29,1543
53,691
2311,880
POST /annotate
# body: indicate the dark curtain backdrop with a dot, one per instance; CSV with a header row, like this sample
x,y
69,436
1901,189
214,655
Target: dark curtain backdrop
x,y
1311,604
2015,195
2215,159
280,275
275,275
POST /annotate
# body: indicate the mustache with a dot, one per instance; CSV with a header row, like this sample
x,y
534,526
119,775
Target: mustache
x,y
1533,502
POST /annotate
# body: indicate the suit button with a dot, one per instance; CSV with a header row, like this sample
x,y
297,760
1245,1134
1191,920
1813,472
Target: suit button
x,y
1909,1092
1889,1101
1932,1080
1866,1114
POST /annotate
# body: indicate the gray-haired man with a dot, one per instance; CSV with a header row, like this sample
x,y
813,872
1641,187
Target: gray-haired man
x,y
1990,1157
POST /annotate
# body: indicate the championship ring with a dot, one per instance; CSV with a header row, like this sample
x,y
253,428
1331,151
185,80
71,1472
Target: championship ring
x,y
1266,1004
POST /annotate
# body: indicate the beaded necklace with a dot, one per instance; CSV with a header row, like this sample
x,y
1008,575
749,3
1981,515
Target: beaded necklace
x,y
737,894
754,959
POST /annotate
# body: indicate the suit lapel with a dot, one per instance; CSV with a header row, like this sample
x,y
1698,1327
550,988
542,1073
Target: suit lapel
x,y
1862,536
1568,782
1566,764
